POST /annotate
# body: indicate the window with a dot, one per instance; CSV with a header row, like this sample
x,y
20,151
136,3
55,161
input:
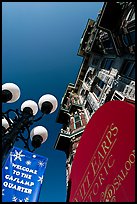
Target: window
x,y
106,63
97,91
117,96
88,107
83,93
132,73
128,69
129,38
87,80
101,83
75,100
88,77
97,86
125,40
95,60
77,120
108,44
86,94
132,37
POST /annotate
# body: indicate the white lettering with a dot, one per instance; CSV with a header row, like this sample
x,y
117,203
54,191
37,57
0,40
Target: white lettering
x,y
17,188
23,168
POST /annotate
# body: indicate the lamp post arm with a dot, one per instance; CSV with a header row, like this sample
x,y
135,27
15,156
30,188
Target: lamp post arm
x,y
8,139
25,141
6,115
39,118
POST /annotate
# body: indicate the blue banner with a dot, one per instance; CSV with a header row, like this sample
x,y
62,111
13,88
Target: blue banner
x,y
22,176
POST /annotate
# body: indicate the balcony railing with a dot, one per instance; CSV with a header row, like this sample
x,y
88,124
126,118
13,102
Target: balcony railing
x,y
70,134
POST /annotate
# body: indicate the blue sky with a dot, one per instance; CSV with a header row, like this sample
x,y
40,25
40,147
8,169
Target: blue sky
x,y
40,41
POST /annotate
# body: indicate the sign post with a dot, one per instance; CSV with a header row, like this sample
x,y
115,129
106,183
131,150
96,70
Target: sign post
x,y
103,168
22,176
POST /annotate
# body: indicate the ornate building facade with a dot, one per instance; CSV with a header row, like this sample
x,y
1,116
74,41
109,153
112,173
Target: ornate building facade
x,y
107,73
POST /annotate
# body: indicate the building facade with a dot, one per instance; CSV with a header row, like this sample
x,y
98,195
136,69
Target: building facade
x,y
107,73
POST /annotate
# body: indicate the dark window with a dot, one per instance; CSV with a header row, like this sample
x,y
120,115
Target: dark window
x,y
96,91
88,77
87,80
88,107
97,86
129,38
86,94
132,73
75,100
95,61
83,93
132,37
101,84
117,97
125,39
106,63
108,43
128,69
77,120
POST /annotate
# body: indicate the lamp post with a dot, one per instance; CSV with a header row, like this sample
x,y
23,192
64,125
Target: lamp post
x,y
15,122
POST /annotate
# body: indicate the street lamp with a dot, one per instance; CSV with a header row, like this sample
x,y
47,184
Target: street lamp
x,y
15,122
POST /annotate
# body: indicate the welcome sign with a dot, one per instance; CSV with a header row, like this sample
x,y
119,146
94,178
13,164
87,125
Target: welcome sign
x,y
103,169
22,176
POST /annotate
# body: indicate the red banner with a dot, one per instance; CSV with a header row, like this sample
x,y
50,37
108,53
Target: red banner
x,y
103,169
